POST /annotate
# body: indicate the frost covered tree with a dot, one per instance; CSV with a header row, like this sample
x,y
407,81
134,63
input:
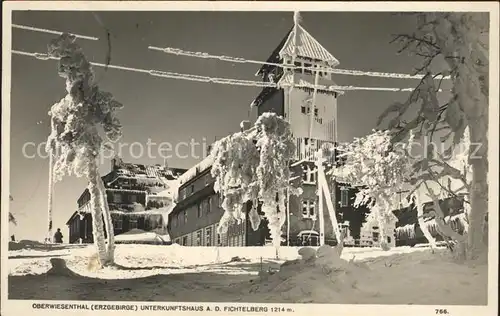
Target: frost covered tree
x,y
253,166
75,136
379,170
457,45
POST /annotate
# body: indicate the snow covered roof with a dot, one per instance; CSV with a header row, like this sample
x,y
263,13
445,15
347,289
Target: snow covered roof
x,y
192,172
203,165
149,171
169,192
308,47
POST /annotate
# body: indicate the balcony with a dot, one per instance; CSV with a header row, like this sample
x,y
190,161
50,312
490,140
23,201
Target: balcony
x,y
306,149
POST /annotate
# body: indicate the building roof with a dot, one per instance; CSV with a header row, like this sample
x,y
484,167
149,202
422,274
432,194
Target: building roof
x,y
274,57
307,47
195,170
150,171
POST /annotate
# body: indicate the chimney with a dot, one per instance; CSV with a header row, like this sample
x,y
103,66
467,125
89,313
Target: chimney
x,y
115,162
245,125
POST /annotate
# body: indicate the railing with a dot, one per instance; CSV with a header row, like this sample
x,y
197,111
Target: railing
x,y
306,149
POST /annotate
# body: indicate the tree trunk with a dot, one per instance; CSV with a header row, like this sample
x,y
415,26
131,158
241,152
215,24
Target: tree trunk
x,y
472,90
421,223
50,197
479,190
108,222
97,222
382,222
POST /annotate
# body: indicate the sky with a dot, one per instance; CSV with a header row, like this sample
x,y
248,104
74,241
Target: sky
x,y
173,111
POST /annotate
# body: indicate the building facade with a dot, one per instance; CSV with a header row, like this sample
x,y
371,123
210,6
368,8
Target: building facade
x,y
312,128
196,216
313,116
138,197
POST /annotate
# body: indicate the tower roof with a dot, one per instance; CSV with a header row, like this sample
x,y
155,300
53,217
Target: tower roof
x,y
307,47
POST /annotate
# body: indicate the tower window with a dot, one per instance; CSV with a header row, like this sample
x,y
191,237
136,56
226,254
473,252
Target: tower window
x,y
307,71
308,208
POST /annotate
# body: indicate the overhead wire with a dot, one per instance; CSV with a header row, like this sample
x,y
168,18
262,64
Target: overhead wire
x,y
348,72
227,81
42,30
177,51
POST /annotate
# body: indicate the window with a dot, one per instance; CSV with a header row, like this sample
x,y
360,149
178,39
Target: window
x,y
307,71
191,189
198,238
133,198
117,197
199,209
303,109
309,175
310,240
118,224
209,204
305,175
185,241
208,236
312,208
375,236
308,208
185,216
312,176
132,224
305,208
344,197
310,142
219,241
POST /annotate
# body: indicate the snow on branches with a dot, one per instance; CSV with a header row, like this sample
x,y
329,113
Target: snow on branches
x,y
75,137
253,166
379,169
460,39
76,118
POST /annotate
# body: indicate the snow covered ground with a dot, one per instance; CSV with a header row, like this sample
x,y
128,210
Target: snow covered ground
x,y
402,275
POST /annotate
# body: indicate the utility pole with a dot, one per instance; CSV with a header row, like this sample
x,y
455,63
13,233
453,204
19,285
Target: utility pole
x,y
321,196
287,218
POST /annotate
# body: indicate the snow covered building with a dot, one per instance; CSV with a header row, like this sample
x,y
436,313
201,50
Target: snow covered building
x,y
198,211
408,231
312,114
138,197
